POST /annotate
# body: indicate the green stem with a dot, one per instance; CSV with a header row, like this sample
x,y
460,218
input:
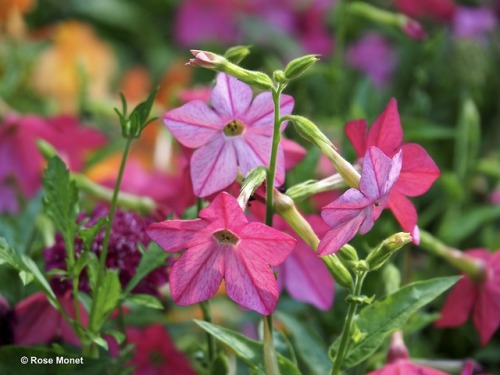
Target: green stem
x,y
212,348
473,267
270,357
346,331
105,244
271,171
340,35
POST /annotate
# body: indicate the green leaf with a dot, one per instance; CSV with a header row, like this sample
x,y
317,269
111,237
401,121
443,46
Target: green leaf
x,y
61,198
87,235
152,258
107,298
390,314
145,300
309,346
28,270
250,351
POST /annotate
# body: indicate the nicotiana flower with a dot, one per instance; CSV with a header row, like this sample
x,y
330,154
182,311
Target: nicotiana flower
x,y
418,170
38,322
235,133
358,209
127,233
399,363
222,244
481,299
155,353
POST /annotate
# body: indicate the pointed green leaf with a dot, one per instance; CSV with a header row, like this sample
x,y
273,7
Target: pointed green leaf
x,y
250,351
309,346
145,300
152,258
107,298
389,314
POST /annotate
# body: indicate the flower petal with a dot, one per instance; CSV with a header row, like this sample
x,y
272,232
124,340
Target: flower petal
x,y
379,173
294,153
250,282
487,312
405,213
458,305
386,132
225,208
260,115
176,235
418,171
356,133
197,274
193,124
266,244
306,278
339,235
230,97
213,167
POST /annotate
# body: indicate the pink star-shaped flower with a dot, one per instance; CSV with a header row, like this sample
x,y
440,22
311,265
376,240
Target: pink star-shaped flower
x,y
222,244
235,133
406,367
482,300
358,209
418,170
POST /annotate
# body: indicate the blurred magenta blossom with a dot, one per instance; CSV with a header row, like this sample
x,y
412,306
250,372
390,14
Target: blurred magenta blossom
x,y
225,21
234,134
155,353
222,244
481,299
418,171
21,163
374,56
359,209
473,23
441,10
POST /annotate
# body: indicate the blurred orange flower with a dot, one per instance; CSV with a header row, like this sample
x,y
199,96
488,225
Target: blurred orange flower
x,y
11,19
76,58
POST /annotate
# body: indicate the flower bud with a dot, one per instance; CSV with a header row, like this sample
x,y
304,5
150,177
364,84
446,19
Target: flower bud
x,y
237,53
307,129
338,271
386,248
254,179
347,255
298,66
412,28
279,76
205,59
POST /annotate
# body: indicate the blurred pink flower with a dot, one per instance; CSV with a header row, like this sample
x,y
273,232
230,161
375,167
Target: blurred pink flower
x,y
418,171
155,353
399,363
235,134
482,299
222,244
473,23
358,209
374,56
21,163
441,10
38,322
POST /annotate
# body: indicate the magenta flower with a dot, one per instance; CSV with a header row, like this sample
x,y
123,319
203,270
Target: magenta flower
x,y
155,353
374,56
358,209
418,170
38,322
482,299
235,134
224,245
441,10
473,23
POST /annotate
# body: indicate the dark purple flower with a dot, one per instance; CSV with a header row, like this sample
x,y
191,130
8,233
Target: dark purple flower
x,y
127,233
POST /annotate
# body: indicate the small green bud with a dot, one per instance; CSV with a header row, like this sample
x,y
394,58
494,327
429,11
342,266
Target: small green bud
x,y
307,129
386,248
298,66
347,254
360,266
279,76
338,271
236,54
254,179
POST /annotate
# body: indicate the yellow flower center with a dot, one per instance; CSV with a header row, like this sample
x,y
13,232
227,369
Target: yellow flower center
x,y
224,237
234,128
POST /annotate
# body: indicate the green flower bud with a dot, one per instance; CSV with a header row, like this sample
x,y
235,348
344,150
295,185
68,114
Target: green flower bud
x,y
386,248
254,179
338,271
279,76
298,66
237,53
347,255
